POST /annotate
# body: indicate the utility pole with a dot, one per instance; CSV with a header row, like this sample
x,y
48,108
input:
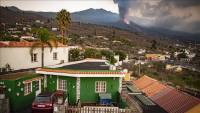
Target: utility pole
x,y
139,66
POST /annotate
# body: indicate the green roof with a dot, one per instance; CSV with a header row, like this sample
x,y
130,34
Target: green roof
x,y
132,89
18,75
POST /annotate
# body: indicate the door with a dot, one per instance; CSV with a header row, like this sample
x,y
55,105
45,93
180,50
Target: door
x,y
38,87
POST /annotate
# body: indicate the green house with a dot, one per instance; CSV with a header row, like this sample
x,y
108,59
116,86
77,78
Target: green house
x,y
83,80
21,88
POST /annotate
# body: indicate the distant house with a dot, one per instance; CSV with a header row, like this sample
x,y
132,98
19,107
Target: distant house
x,y
84,80
141,51
54,29
13,30
15,36
191,55
155,57
26,28
17,55
176,68
37,21
27,37
99,36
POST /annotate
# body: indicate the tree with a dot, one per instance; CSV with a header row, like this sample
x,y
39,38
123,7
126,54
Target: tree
x,y
95,32
122,55
92,53
109,56
154,44
44,39
74,54
75,38
107,53
181,55
112,60
63,20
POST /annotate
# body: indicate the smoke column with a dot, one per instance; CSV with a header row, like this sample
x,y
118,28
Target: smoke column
x,y
123,6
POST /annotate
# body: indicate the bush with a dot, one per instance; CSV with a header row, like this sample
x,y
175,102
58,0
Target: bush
x,y
9,39
74,55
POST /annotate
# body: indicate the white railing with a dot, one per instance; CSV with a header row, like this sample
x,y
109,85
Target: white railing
x,y
96,109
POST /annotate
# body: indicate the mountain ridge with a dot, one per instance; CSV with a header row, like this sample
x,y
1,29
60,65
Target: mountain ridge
x,y
110,19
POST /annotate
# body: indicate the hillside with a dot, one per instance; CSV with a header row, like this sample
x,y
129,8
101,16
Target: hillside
x,y
98,17
13,15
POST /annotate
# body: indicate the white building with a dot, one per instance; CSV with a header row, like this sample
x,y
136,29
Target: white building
x,y
141,51
27,37
17,55
54,29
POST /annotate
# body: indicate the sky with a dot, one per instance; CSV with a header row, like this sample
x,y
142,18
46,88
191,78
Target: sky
x,y
179,15
56,5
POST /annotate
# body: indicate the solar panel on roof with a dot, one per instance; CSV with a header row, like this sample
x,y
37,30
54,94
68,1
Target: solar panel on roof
x,y
88,66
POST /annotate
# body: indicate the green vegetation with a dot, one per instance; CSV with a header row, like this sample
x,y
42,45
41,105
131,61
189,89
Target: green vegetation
x,y
63,20
74,54
6,38
75,39
92,53
153,44
122,55
185,78
181,55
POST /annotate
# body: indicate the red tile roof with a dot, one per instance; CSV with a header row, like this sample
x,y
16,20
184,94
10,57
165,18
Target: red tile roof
x,y
169,98
153,89
80,71
20,44
143,82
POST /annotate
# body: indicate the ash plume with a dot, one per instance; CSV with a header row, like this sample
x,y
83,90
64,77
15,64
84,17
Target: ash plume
x,y
180,15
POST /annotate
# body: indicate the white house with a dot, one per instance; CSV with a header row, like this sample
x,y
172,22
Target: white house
x,y
17,55
27,37
54,29
141,51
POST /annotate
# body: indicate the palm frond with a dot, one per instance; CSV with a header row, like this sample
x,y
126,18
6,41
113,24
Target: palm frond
x,y
35,45
53,40
50,46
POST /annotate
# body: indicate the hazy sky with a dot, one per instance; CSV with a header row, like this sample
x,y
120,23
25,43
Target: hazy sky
x,y
56,5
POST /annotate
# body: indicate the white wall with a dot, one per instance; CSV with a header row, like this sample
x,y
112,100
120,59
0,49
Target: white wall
x,y
20,58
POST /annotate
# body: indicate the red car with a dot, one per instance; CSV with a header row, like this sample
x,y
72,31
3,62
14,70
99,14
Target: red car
x,y
43,103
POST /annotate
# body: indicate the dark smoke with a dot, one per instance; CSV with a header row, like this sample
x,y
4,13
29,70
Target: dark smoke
x,y
123,6
181,15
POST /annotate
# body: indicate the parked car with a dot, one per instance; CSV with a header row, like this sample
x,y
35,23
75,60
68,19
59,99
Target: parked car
x,y
43,103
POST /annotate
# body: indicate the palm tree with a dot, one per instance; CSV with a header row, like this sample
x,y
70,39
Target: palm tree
x,y
63,20
44,39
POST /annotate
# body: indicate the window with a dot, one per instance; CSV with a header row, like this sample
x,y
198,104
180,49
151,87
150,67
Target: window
x,y
27,88
55,56
37,85
62,85
100,86
34,57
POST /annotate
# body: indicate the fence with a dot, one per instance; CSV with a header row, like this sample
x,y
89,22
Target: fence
x,y
4,106
94,109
